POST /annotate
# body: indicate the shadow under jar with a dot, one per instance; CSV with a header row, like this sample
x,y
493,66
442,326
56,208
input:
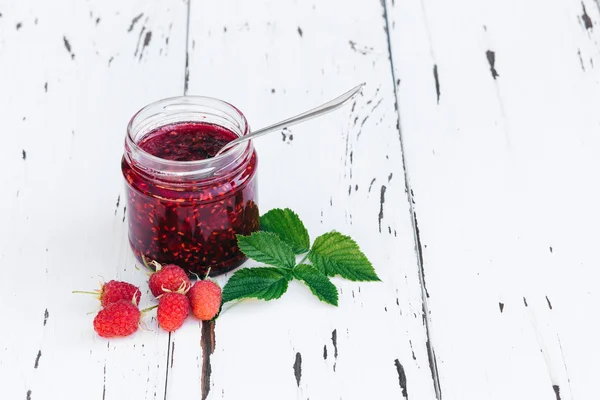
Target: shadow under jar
x,y
185,206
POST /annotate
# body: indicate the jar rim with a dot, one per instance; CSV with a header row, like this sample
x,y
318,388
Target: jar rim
x,y
196,106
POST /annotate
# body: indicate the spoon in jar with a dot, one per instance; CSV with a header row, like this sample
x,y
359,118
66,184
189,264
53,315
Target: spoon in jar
x,y
315,112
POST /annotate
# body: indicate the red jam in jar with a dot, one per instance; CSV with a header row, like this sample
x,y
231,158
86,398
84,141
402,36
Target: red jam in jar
x,y
185,206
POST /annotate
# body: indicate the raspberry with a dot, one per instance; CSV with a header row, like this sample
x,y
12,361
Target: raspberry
x,y
173,309
205,298
117,319
168,278
113,291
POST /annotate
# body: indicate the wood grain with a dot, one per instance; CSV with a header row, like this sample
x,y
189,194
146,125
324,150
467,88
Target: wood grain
x,y
72,74
343,171
501,147
467,171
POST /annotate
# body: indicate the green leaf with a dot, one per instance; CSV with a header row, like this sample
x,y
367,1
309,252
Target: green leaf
x,y
318,283
287,225
337,254
261,283
268,248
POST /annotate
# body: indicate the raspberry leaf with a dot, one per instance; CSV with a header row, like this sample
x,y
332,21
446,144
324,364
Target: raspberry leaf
x,y
287,225
268,248
265,283
336,254
319,284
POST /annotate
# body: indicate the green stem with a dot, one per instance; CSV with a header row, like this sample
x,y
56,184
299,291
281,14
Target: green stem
x,y
82,292
145,310
232,303
304,259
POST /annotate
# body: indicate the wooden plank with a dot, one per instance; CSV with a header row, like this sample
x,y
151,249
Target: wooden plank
x,y
72,74
344,171
498,104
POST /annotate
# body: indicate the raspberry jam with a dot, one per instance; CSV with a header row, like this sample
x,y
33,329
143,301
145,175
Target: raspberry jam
x,y
185,206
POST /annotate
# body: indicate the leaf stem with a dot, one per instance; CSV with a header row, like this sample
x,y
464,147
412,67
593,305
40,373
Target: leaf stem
x,y
145,310
231,304
304,259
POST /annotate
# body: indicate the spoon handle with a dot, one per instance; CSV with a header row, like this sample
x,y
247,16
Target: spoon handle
x,y
315,112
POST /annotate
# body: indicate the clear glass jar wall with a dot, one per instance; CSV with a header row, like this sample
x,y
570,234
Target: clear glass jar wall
x,y
185,206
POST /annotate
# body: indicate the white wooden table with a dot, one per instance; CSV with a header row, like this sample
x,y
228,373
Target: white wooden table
x,y
467,170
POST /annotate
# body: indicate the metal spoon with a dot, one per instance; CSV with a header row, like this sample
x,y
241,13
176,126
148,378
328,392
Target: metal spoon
x,y
315,112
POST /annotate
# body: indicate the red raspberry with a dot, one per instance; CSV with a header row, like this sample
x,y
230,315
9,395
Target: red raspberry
x,y
113,291
168,278
117,319
205,298
173,309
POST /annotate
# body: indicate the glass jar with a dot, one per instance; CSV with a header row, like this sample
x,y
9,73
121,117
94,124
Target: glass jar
x,y
184,206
